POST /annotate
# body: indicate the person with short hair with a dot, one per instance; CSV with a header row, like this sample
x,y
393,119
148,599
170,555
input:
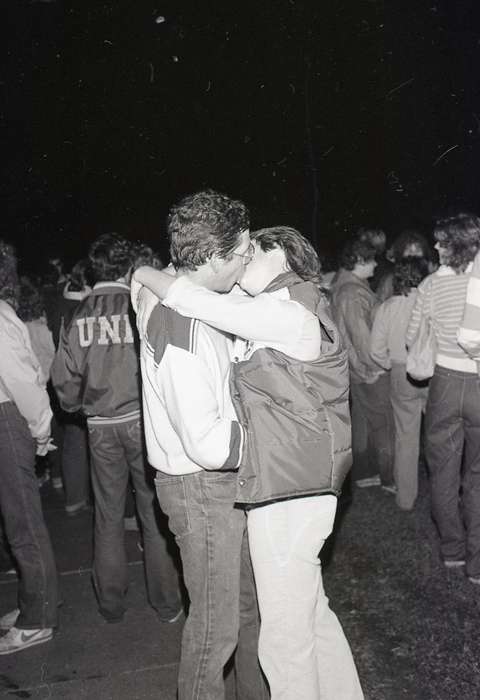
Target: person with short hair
x,y
452,418
25,417
408,398
96,371
354,305
195,442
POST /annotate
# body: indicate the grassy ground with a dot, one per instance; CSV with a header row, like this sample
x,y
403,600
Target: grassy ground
x,y
414,626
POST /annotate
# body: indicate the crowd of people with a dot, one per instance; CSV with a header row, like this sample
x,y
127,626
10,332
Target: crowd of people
x,y
228,401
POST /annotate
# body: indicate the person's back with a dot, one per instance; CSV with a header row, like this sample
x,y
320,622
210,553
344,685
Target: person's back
x,y
96,371
452,419
388,349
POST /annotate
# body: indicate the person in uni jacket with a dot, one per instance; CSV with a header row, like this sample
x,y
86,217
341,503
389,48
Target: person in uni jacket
x,y
96,371
289,385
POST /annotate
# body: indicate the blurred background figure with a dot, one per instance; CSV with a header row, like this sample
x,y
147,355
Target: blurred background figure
x,y
354,305
407,397
409,244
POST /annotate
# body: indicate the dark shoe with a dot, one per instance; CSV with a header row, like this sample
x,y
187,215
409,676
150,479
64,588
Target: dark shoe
x,y
169,616
111,617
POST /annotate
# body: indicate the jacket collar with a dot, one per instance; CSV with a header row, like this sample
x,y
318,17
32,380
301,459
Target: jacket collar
x,y
285,279
112,287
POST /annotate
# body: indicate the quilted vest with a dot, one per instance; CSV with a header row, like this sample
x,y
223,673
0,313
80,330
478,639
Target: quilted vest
x,y
296,413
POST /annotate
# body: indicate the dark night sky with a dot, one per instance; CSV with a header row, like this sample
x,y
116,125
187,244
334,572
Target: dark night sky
x,y
324,115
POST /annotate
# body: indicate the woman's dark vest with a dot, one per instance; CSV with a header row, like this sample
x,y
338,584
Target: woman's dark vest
x,y
296,413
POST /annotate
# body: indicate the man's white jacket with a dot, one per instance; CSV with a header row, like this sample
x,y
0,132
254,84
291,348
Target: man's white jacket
x,y
189,419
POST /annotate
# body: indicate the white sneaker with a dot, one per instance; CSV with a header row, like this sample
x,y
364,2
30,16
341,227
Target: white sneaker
x,y
368,481
17,640
454,563
8,620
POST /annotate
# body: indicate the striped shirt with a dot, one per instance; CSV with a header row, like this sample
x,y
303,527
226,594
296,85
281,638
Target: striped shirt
x,y
469,331
441,297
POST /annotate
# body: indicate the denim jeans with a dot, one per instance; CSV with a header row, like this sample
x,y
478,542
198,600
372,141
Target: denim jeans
x,y
408,401
372,430
116,452
70,460
452,441
25,527
211,535
302,647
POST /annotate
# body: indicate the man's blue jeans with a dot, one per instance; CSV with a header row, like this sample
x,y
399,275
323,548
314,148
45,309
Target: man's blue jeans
x,y
24,524
116,452
211,535
452,449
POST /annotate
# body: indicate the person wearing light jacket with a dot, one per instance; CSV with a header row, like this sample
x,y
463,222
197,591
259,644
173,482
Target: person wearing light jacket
x,y
408,399
196,443
289,385
452,417
96,371
25,417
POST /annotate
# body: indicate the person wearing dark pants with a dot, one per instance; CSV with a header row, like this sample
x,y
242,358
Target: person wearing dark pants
x,y
25,417
116,453
96,371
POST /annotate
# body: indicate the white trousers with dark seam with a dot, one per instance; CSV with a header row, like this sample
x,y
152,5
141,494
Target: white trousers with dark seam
x,y
302,648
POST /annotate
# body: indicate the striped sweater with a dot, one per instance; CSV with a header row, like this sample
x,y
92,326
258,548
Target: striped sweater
x,y
441,297
469,331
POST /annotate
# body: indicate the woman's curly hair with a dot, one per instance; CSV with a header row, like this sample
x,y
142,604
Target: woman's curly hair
x,y
459,236
300,255
406,239
9,284
408,273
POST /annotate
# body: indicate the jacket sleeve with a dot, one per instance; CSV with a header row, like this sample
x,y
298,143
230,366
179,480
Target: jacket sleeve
x,y
19,374
277,323
469,332
357,318
379,338
419,309
65,374
209,439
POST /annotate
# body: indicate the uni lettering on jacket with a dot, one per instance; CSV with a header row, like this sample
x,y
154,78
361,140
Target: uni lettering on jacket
x,y
111,330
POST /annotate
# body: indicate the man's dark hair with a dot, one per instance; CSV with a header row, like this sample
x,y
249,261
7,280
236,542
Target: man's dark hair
x,y
460,237
9,284
204,224
110,257
301,256
356,251
407,274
